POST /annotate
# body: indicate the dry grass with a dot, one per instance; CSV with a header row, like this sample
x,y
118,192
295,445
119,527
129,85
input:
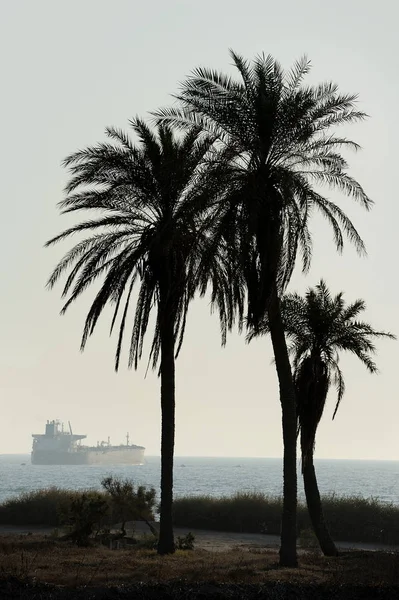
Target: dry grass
x,y
52,561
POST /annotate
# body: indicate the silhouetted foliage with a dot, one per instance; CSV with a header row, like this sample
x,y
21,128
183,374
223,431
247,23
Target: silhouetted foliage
x,y
154,200
129,503
320,327
349,518
280,135
228,202
186,542
84,515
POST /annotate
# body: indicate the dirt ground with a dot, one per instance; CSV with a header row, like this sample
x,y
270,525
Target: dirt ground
x,y
214,541
34,564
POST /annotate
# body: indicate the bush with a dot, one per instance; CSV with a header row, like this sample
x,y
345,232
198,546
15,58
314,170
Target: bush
x,y
40,507
85,514
350,518
52,506
186,542
249,512
357,519
127,503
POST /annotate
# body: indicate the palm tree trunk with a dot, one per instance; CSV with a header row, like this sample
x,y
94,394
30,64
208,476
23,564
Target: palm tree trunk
x,y
166,543
315,508
288,555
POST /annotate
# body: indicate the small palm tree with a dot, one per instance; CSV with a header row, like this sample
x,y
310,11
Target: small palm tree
x,y
155,204
283,148
320,327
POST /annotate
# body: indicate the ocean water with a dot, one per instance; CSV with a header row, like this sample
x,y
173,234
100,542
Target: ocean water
x,y
212,476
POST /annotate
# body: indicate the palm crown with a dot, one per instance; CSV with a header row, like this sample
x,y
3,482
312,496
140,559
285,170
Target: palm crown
x,y
156,203
279,136
321,326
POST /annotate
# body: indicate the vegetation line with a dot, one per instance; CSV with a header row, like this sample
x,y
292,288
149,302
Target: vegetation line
x,y
350,518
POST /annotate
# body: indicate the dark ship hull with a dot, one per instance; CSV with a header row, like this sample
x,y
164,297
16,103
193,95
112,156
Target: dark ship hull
x,y
95,456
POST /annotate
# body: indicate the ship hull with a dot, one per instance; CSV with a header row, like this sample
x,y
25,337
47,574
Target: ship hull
x,y
106,456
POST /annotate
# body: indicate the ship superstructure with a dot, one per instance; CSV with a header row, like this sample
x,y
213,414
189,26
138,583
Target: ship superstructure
x,y
59,447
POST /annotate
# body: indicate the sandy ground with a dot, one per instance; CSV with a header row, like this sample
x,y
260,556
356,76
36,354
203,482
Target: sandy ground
x,y
214,541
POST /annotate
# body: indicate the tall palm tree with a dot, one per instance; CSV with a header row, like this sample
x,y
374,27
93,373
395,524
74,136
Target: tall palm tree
x,y
155,203
320,327
280,135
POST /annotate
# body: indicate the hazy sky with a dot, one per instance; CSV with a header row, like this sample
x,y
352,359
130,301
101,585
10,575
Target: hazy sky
x,y
68,69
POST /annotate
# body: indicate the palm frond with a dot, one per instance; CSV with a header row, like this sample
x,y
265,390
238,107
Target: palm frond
x,y
296,74
157,201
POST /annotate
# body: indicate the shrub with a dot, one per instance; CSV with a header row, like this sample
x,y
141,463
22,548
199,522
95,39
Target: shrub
x,y
357,519
186,542
41,507
52,506
349,518
249,512
127,503
84,515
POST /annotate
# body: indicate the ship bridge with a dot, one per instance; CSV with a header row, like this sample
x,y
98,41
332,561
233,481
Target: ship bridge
x,y
54,429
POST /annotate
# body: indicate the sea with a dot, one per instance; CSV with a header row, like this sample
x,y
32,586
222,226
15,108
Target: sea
x,y
207,476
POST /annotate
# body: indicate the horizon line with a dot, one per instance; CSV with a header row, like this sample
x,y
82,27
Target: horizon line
x,y
180,456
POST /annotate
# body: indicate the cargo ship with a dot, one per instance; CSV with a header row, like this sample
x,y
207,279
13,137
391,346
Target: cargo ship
x,y
59,447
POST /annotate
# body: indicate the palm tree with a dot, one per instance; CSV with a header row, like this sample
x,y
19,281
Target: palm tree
x,y
320,327
283,149
154,200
